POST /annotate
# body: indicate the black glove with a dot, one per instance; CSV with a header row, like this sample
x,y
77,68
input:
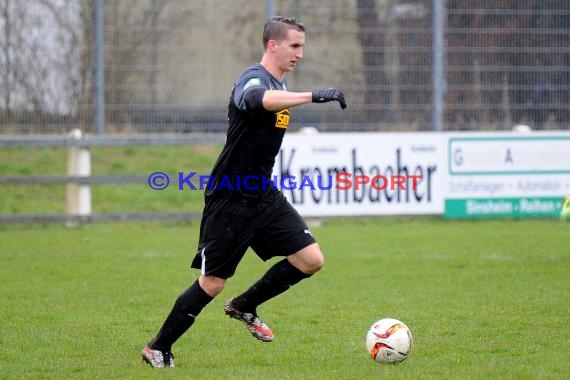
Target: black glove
x,y
329,95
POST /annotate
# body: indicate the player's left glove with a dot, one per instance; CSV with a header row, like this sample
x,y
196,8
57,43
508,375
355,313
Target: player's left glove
x,y
329,95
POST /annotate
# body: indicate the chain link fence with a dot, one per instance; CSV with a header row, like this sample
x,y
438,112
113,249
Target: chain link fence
x,y
169,65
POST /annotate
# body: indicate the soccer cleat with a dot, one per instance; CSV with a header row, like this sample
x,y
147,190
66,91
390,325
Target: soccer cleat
x,y
255,326
157,359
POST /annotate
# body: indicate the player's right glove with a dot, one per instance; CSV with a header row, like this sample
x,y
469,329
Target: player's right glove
x,y
329,95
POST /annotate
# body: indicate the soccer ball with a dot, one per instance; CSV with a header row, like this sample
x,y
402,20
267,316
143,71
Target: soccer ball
x,y
389,341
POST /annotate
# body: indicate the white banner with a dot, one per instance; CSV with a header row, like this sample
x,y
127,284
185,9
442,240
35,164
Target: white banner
x,y
506,174
335,174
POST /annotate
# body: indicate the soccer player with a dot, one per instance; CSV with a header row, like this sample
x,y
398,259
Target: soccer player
x,y
239,213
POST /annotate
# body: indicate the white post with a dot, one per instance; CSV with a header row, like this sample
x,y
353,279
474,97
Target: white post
x,y
78,196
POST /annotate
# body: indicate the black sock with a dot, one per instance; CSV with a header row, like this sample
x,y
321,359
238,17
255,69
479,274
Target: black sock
x,y
278,279
186,308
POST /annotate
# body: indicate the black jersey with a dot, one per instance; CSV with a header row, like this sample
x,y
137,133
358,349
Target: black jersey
x,y
253,140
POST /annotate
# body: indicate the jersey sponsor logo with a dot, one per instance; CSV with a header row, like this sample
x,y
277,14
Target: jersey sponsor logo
x,y
252,82
282,119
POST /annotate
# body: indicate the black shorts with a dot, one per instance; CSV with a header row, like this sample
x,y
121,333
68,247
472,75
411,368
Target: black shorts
x,y
269,225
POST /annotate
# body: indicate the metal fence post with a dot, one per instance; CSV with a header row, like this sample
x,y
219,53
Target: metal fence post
x,y
438,78
99,66
269,8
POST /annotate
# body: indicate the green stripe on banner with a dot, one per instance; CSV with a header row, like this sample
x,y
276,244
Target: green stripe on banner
x,y
478,208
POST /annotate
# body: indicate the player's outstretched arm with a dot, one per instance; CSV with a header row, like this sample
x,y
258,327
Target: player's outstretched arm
x,y
276,100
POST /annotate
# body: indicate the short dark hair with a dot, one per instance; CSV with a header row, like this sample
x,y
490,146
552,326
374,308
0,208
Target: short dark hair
x,y
276,28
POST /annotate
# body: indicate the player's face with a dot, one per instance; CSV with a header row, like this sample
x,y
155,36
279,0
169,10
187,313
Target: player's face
x,y
290,50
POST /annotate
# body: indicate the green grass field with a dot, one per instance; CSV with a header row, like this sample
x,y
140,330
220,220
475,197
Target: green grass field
x,y
107,198
484,300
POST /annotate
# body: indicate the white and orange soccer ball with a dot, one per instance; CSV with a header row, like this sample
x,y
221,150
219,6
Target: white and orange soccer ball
x,y
389,341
